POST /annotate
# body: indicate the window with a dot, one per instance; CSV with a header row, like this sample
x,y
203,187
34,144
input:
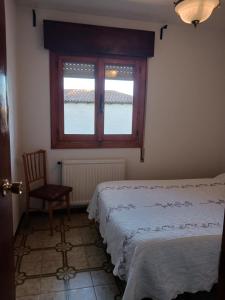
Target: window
x,y
97,102
97,99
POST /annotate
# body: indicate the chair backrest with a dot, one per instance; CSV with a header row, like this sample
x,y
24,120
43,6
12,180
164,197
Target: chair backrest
x,y
34,167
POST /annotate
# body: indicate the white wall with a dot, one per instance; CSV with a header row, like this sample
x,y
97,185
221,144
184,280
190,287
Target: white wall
x,y
12,93
184,132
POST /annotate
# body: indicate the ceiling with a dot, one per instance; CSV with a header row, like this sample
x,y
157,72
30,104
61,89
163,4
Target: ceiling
x,y
145,10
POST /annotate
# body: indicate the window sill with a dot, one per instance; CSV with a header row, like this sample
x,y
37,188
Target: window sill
x,y
94,144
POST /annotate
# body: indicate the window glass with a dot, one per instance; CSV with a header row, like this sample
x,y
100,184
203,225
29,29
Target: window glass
x,y
79,98
97,102
118,99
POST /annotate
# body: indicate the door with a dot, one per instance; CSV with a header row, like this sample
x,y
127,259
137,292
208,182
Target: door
x,y
7,289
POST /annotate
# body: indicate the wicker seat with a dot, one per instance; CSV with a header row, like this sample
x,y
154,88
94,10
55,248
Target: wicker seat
x,y
35,174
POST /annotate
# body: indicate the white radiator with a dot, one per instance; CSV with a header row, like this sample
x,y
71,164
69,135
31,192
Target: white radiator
x,y
84,175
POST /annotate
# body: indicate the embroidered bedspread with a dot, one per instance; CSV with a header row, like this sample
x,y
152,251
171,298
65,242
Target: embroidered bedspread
x,y
163,236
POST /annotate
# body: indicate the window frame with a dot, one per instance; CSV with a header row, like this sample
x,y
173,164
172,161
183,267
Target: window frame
x,y
59,140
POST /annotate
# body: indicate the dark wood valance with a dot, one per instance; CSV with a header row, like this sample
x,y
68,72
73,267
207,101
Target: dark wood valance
x,y
81,39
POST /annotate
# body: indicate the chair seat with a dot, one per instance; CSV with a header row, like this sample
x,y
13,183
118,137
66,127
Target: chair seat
x,y
50,192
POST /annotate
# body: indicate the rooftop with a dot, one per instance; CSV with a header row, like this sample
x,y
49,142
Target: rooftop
x,y
87,96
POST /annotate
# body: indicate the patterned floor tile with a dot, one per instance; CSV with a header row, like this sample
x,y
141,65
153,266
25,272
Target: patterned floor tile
x,y
42,239
88,235
40,222
22,250
81,280
35,240
51,266
55,296
51,254
96,256
18,240
52,284
33,256
31,267
74,236
31,263
102,278
85,293
50,240
78,219
77,258
106,292
29,287
70,265
29,298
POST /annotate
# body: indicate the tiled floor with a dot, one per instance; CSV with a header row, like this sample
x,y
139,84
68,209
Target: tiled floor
x,y
71,264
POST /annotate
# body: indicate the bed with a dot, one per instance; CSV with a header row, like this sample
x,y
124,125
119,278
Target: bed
x,y
164,237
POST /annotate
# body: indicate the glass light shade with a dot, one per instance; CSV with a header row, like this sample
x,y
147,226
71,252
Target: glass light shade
x,y
195,11
111,73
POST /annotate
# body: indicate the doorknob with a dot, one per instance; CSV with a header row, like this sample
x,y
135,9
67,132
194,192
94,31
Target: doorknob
x,y
15,187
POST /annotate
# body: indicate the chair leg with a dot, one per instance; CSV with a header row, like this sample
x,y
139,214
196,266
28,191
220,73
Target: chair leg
x,y
68,206
50,214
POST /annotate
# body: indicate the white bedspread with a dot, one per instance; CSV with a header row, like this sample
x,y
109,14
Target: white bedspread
x,y
163,236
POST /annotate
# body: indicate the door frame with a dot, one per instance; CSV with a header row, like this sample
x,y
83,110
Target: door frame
x,y
7,283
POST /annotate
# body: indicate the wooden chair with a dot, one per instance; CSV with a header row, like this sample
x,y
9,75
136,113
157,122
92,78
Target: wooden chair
x,y
54,196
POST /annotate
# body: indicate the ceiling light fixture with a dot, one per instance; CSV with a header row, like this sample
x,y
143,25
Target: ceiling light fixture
x,y
111,73
195,11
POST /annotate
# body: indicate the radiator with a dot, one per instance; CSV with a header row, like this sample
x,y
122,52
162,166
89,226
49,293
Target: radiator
x,y
84,175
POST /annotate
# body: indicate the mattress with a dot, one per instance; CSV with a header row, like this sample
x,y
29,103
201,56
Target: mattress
x,y
164,237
